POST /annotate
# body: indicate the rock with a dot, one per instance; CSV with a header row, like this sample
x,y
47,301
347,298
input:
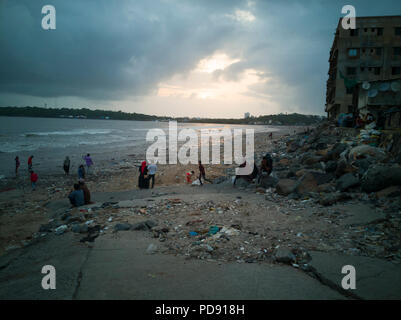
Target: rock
x,y
331,166
146,225
285,186
46,227
365,150
284,255
378,177
393,191
335,152
152,248
363,165
284,162
122,227
61,229
347,181
332,198
311,160
268,182
307,183
326,187
76,228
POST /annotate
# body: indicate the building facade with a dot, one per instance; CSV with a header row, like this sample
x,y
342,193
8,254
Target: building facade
x,y
371,52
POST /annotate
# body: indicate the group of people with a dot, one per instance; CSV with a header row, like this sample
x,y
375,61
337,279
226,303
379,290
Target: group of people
x,y
80,195
202,174
265,169
66,166
147,173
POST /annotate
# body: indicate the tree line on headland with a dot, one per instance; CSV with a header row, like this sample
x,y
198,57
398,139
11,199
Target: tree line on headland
x,y
275,119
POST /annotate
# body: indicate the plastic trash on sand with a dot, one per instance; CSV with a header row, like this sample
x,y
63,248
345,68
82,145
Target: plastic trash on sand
x,y
196,183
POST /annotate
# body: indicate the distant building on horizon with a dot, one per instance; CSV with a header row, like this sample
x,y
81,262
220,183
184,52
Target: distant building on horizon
x,y
247,115
369,53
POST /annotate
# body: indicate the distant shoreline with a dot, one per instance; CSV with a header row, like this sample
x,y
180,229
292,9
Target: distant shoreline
x,y
293,119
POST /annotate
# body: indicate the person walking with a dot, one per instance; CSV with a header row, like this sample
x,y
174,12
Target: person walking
x,y
152,168
30,163
88,161
17,164
34,179
67,165
202,174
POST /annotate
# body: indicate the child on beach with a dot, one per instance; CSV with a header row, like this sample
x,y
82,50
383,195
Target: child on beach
x,y
81,172
88,161
189,176
34,179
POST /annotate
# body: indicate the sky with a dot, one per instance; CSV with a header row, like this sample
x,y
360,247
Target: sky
x,y
196,58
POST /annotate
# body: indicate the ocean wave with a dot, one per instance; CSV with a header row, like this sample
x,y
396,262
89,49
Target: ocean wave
x,y
78,132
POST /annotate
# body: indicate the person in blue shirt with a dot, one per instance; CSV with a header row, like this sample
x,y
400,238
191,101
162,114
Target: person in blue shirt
x,y
77,196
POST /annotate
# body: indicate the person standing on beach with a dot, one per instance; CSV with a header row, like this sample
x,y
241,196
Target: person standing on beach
x,y
152,172
67,165
30,163
202,173
271,135
84,188
34,179
88,161
81,172
17,164
143,181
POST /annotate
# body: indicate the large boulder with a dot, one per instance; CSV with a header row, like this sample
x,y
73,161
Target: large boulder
x,y
379,177
285,186
307,183
335,151
268,182
364,151
347,181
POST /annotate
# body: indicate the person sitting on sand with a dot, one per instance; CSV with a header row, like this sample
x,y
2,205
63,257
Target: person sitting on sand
x,y
66,165
34,179
143,181
266,167
84,188
88,161
76,196
81,172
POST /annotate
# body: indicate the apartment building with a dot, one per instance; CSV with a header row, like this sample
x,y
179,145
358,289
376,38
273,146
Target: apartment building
x,y
370,52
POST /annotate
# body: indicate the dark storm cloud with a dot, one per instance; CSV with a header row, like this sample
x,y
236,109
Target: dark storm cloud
x,y
109,50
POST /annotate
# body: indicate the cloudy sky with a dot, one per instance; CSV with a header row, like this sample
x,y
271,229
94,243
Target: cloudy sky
x,y
206,58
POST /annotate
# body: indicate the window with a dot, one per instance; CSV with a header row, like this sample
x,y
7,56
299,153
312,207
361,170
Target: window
x,y
353,32
365,30
362,69
353,52
395,70
376,70
397,31
379,31
351,71
378,51
397,51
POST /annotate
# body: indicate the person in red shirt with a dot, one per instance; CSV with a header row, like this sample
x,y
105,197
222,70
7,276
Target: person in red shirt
x,y
30,163
34,179
189,176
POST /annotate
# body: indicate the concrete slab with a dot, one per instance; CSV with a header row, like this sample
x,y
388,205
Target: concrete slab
x,y
375,278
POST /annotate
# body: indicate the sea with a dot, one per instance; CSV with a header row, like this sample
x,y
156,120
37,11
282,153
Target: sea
x,y
110,142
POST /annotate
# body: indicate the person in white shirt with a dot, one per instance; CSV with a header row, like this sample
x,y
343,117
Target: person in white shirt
x,y
152,168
